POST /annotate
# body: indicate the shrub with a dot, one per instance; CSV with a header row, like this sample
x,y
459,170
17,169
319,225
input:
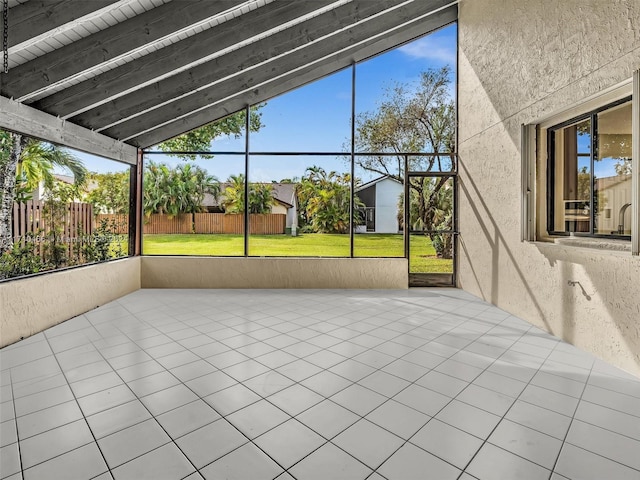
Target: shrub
x,y
21,260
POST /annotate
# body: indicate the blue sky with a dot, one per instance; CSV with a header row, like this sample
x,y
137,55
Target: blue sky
x,y
604,167
315,117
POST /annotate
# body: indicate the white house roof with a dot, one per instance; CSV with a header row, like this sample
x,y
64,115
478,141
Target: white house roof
x,y
143,71
370,183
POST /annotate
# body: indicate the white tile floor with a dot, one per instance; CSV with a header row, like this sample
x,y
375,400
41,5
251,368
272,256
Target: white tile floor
x,y
250,385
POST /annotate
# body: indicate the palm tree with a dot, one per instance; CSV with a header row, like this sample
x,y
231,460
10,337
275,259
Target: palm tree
x,y
234,194
24,162
39,159
260,196
324,199
179,190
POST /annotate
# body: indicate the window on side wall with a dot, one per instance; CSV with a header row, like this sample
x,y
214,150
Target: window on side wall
x,y
589,173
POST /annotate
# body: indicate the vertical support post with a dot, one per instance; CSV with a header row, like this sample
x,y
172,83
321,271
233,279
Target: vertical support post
x,y
592,181
247,222
353,159
454,224
135,206
456,159
635,165
407,198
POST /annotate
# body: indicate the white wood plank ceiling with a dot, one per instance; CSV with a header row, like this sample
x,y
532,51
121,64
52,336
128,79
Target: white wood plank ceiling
x,y
143,71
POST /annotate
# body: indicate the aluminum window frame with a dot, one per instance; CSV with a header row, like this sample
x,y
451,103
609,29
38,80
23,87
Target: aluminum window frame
x,y
592,115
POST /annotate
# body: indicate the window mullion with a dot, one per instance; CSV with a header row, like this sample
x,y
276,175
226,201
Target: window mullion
x,y
635,165
594,153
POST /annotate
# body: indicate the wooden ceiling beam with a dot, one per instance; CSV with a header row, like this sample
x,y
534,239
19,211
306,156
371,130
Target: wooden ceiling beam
x,y
36,17
24,119
252,64
180,55
35,76
246,95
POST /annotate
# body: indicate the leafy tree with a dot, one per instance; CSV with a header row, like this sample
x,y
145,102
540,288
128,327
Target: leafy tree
x,y
109,192
178,190
623,166
39,159
200,139
440,216
324,201
24,162
413,118
261,196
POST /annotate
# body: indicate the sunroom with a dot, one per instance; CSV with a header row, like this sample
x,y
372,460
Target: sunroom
x,y
322,239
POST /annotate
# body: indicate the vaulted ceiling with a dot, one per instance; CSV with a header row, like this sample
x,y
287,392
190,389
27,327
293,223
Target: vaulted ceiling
x,y
143,71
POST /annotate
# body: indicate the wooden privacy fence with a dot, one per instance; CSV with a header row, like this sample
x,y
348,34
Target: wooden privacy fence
x,y
267,224
32,223
163,224
259,224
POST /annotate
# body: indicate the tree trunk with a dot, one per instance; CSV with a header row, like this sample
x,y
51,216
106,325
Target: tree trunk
x,y
8,181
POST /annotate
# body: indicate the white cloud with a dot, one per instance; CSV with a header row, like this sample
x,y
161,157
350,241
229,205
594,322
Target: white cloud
x,y
429,48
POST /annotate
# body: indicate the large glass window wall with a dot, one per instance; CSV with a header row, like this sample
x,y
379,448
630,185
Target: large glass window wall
x,y
324,166
68,208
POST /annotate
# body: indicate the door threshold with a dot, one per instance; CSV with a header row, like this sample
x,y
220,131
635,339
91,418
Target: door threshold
x,y
431,280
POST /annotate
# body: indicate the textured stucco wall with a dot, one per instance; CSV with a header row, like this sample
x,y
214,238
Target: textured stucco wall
x,y
30,305
211,272
522,62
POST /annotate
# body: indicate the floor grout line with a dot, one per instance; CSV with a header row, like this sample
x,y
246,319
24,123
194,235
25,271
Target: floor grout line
x,y
564,440
471,320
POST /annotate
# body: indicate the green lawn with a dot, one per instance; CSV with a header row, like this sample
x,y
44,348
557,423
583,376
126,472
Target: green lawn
x,y
423,255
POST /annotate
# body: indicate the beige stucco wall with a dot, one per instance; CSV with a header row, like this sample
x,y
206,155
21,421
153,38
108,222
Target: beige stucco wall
x,y
30,305
213,272
521,62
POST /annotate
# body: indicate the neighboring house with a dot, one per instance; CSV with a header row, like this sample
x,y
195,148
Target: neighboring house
x,y
614,212
380,197
284,195
286,202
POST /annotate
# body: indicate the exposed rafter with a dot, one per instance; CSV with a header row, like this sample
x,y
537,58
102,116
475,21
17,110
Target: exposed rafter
x,y
29,121
33,77
286,50
252,94
36,17
143,71
175,58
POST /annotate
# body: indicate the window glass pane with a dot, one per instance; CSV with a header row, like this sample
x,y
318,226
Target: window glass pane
x,y
307,206
424,256
312,118
194,207
431,212
405,97
70,208
572,158
378,202
432,163
224,135
612,172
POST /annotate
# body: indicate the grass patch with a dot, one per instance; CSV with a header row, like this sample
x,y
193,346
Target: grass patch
x,y
423,259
